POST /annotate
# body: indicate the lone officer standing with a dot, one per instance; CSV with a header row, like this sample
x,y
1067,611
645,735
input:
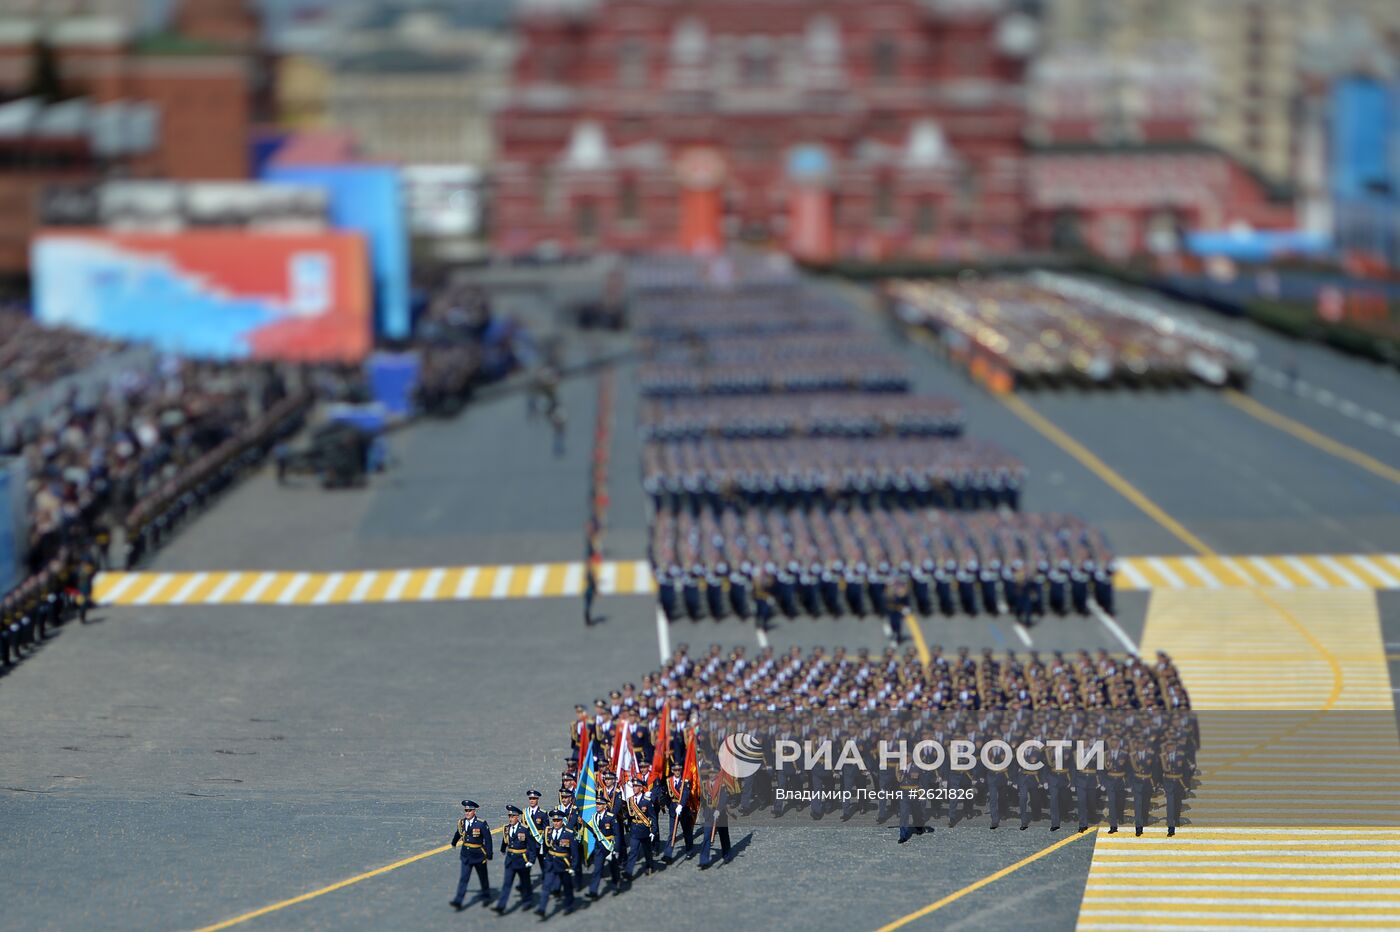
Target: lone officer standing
x,y
475,836
520,850
557,865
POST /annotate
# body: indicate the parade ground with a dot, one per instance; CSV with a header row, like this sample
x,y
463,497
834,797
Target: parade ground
x,y
271,726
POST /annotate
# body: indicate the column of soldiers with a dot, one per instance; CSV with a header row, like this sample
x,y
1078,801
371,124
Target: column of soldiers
x,y
58,592
638,827
834,561
1138,709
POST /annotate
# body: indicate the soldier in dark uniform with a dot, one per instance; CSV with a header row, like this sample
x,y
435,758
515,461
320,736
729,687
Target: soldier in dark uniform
x,y
640,808
556,863
1114,781
1028,783
590,590
1144,764
714,796
475,837
519,848
1176,777
606,853
573,821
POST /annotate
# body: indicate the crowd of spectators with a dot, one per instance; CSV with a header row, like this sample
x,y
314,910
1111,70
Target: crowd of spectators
x,y
33,357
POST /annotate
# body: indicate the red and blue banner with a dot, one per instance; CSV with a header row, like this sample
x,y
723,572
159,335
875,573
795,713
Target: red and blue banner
x,y
224,294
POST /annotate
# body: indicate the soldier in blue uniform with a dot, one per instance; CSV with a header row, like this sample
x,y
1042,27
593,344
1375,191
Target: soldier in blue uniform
x,y
520,850
606,853
573,821
640,809
475,837
556,863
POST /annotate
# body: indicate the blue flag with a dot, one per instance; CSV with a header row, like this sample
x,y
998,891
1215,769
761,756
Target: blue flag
x,y
589,805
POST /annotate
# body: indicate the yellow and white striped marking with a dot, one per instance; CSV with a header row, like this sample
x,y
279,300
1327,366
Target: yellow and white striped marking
x,y
1303,571
1278,837
432,584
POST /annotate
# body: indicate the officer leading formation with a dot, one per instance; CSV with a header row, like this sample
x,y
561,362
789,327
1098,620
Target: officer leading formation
x,y
646,785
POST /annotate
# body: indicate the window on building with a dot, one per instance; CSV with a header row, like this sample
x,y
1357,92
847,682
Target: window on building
x,y
884,200
925,217
885,59
632,65
628,202
585,221
757,67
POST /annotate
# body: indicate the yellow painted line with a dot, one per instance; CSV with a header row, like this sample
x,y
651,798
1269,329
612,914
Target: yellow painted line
x,y
626,580
201,592
985,881
342,589
416,581
485,582
331,888
1312,437
1321,569
519,583
554,579
171,589
380,587
314,582
279,582
447,589
916,629
1153,575
1099,468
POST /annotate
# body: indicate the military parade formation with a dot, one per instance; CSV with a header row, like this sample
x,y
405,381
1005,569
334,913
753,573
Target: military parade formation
x,y
650,778
773,495
791,471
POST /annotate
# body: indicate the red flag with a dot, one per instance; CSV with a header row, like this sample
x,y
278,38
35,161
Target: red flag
x,y
690,774
585,747
660,756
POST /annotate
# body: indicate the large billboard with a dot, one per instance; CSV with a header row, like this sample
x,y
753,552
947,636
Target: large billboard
x,y
170,206
14,522
219,294
368,199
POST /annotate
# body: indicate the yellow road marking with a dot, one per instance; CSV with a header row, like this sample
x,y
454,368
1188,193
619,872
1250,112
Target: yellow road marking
x,y
554,579
916,629
485,581
331,888
1099,468
416,581
979,884
1311,437
519,582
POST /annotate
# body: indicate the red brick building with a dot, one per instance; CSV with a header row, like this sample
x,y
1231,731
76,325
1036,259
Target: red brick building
x,y
200,82
174,105
828,127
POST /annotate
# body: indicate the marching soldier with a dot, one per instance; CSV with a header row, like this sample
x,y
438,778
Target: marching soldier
x,y
520,849
1143,765
714,796
1114,782
606,853
1028,782
639,832
556,865
1175,777
475,836
573,821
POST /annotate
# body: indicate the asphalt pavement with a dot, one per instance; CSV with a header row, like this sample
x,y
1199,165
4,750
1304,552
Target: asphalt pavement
x,y
176,766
